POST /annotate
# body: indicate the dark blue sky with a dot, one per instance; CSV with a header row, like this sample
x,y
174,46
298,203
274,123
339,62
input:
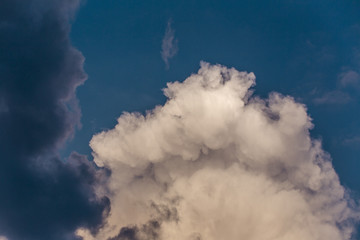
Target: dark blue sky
x,y
307,49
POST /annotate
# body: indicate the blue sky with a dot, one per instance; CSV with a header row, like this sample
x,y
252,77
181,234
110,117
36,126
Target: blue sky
x,y
297,48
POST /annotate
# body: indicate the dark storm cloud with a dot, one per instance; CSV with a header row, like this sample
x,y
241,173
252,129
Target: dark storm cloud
x,y
41,197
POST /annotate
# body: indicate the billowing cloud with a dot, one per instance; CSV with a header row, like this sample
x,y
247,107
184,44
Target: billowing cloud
x,y
215,162
169,47
41,196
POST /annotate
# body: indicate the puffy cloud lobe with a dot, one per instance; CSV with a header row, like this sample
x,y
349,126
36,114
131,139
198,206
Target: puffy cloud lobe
x,y
41,197
224,165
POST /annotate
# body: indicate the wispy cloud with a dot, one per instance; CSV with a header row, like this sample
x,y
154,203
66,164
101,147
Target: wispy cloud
x,y
169,47
349,78
333,97
348,84
354,141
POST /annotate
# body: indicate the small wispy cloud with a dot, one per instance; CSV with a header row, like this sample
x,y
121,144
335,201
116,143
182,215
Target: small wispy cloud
x,y
349,78
169,47
352,141
347,87
333,97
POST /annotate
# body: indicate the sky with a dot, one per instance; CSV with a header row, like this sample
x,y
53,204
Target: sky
x,y
139,120
297,48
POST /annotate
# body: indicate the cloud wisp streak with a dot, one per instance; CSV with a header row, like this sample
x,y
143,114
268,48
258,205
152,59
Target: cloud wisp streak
x,y
333,97
348,83
169,46
215,162
41,196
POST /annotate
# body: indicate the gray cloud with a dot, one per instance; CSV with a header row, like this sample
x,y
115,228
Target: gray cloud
x,y
41,196
169,46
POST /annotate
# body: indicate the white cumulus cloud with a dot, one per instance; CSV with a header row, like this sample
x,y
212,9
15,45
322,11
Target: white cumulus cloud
x,y
215,162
